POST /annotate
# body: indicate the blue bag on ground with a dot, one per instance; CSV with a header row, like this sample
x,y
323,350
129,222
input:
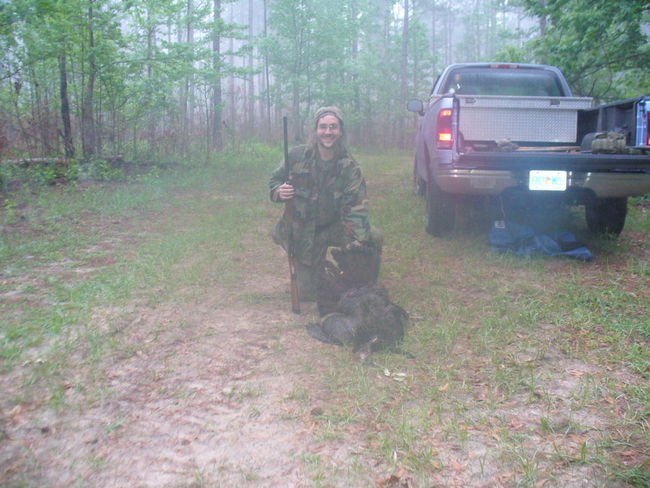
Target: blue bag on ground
x,y
524,240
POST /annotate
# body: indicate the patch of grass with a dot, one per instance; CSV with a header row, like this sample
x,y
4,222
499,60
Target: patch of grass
x,y
66,231
488,331
638,476
299,395
638,216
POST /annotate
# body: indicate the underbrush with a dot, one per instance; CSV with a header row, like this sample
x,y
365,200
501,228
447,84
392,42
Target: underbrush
x,y
35,205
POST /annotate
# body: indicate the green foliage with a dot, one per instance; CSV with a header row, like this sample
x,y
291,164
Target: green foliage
x,y
160,82
309,49
512,54
99,169
599,44
637,476
139,52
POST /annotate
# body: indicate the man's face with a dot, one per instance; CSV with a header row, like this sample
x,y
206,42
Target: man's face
x,y
328,131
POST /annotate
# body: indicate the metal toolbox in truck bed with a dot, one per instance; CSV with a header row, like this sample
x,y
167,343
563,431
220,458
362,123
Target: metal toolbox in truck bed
x,y
530,119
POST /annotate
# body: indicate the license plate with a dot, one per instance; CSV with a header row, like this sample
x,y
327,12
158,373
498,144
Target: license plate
x,y
547,180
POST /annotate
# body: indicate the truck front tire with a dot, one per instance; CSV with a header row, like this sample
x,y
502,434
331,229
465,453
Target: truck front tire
x,y
440,211
606,215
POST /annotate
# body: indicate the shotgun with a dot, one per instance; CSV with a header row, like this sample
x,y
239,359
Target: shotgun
x,y
289,217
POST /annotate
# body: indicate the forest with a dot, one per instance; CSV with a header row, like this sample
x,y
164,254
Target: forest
x,y
178,80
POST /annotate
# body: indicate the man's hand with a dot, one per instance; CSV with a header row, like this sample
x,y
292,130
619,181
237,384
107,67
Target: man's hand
x,y
285,191
354,246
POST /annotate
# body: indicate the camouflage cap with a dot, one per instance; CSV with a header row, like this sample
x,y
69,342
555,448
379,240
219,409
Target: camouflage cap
x,y
332,110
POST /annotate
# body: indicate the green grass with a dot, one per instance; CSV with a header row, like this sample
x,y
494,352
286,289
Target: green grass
x,y
496,319
63,229
527,364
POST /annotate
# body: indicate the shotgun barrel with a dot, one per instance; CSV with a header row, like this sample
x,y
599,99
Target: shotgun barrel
x,y
289,217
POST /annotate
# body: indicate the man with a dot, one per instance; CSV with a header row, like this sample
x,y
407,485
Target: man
x,y
330,202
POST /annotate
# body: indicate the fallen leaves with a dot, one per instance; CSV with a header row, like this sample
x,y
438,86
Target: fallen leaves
x,y
401,479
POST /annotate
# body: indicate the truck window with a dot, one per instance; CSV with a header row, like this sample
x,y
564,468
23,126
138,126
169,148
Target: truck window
x,y
503,81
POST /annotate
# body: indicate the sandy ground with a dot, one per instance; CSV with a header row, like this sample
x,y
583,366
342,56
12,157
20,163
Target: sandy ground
x,y
206,397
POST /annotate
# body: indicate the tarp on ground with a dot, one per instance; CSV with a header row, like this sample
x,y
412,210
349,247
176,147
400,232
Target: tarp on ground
x,y
524,240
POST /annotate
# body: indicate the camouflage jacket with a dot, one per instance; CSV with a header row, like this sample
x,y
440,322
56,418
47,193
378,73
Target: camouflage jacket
x,y
327,193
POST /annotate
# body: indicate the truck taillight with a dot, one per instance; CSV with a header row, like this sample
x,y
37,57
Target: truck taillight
x,y
647,128
444,137
505,66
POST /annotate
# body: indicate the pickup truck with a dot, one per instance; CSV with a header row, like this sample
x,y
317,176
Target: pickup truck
x,y
495,133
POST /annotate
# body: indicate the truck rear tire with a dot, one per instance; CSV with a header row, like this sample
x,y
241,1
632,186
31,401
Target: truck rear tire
x,y
419,185
440,211
606,215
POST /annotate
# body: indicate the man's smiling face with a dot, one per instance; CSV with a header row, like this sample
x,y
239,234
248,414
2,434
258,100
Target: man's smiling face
x,y
328,131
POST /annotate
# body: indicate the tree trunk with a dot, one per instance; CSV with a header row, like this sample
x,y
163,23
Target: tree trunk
x,y
188,86
217,137
149,101
88,129
267,89
295,112
65,108
232,118
401,140
434,45
356,136
251,77
448,32
40,120
184,35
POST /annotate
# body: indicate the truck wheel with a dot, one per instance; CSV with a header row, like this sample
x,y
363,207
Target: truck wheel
x,y
440,211
606,215
419,186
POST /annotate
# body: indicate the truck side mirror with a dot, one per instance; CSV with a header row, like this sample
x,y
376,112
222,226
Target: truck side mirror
x,y
416,106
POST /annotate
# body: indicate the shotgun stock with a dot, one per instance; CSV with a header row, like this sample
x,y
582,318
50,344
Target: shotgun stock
x,y
289,217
